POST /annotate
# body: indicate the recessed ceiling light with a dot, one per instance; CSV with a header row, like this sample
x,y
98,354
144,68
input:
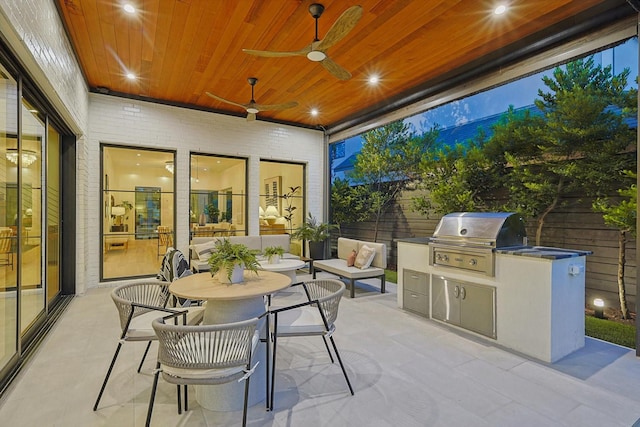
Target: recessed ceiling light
x,y
128,7
138,154
314,112
500,9
374,79
131,76
137,164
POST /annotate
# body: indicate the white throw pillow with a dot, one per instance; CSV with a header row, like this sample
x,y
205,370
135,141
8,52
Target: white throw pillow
x,y
204,250
365,257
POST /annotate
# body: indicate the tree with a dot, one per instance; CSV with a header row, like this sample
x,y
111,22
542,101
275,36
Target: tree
x,y
458,178
623,216
387,161
576,144
346,203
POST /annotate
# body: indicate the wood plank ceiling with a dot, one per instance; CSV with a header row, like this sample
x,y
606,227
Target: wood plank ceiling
x,y
180,49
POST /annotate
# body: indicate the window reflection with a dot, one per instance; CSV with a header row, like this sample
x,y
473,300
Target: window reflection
x,y
27,214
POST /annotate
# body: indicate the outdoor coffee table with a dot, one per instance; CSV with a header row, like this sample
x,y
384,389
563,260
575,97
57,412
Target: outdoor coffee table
x,y
286,266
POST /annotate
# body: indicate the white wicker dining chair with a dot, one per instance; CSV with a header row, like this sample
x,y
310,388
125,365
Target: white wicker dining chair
x,y
138,304
316,316
204,354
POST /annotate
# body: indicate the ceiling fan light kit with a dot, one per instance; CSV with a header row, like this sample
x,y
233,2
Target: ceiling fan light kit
x,y
316,56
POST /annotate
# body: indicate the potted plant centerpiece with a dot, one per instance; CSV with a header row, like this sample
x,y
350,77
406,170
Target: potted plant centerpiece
x,y
315,233
274,254
229,260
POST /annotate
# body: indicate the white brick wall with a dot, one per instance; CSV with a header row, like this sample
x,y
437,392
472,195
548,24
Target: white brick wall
x,y
36,34
143,124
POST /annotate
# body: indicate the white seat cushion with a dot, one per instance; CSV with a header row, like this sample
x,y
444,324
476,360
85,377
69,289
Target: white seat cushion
x,y
140,326
300,321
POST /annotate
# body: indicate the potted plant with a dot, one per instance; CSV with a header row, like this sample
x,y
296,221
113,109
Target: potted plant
x,y
229,260
273,254
315,233
213,212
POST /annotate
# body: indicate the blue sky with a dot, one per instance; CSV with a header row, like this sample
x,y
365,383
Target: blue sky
x,y
519,93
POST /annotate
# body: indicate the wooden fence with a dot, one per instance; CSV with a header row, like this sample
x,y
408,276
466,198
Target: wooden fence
x,y
574,226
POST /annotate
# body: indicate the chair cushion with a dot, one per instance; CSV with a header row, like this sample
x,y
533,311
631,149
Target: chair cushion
x,y
364,257
206,373
140,327
300,321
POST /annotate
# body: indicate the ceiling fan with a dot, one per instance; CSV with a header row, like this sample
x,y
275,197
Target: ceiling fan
x,y
316,50
252,107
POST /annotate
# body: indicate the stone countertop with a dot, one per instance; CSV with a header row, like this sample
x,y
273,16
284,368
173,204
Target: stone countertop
x,y
542,252
417,240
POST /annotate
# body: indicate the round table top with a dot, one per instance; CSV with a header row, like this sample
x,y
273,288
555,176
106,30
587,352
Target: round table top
x,y
203,286
283,265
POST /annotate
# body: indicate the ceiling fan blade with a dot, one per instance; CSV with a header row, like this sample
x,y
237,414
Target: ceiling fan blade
x,y
343,25
273,54
226,100
276,107
251,117
335,69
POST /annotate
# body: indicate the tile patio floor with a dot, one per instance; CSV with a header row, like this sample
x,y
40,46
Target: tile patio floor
x,y
406,371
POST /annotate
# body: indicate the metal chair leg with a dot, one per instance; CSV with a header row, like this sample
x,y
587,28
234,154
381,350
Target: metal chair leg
x,y
268,361
344,371
327,346
144,356
246,398
153,394
186,399
106,378
273,362
179,400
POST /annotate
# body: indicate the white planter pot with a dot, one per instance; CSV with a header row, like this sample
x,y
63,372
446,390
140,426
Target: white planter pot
x,y
237,275
274,259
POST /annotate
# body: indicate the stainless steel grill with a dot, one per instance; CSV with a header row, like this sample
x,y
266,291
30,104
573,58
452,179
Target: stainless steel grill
x,y
467,240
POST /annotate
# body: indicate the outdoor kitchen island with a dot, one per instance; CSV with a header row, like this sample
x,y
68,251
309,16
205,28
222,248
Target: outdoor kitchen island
x,y
531,299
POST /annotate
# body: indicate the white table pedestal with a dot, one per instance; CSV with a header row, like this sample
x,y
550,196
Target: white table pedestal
x,y
230,396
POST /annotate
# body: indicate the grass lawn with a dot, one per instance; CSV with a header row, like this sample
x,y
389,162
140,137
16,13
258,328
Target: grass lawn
x,y
607,330
391,276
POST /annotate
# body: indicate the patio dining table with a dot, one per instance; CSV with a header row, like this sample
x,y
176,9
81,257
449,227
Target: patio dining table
x,y
227,303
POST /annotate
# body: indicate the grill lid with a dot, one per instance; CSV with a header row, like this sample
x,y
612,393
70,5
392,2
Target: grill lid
x,y
496,229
